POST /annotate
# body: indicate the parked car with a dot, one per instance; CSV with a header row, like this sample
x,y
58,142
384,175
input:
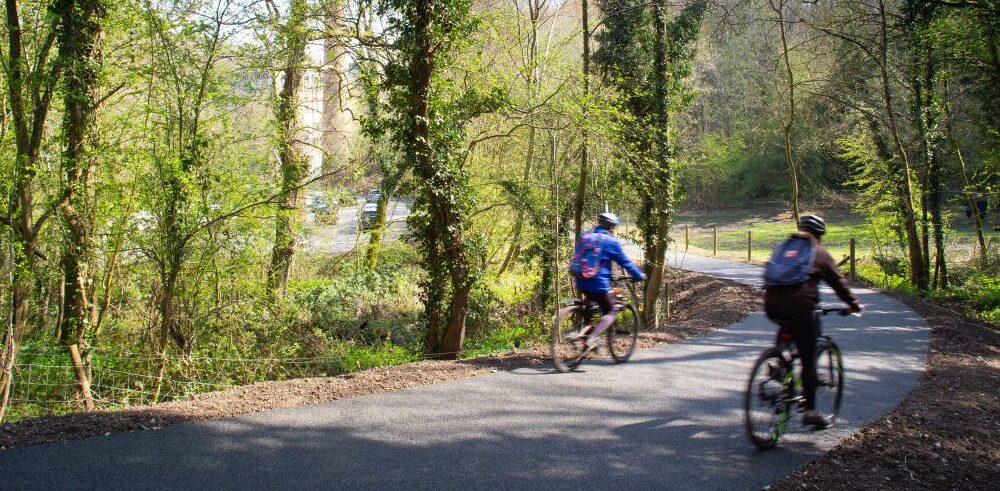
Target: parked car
x,y
368,214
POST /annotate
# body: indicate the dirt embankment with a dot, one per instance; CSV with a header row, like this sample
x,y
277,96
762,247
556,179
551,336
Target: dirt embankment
x,y
946,432
700,303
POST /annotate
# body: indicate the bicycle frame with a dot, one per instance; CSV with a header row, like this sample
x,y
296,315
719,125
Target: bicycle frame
x,y
789,397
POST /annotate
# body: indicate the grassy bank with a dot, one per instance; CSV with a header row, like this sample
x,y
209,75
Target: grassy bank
x,y
879,255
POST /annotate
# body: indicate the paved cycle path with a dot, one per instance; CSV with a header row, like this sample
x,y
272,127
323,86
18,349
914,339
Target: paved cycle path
x,y
670,418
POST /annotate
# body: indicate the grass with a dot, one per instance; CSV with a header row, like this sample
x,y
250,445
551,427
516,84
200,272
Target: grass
x,y
770,225
879,259
359,357
505,338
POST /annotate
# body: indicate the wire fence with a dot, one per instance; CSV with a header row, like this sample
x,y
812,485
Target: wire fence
x,y
44,380
860,252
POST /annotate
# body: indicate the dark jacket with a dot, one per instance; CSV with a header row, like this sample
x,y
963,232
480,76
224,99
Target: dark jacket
x,y
611,250
804,297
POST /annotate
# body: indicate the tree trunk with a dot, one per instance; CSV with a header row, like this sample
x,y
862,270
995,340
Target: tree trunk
x,y
534,9
963,177
932,141
918,15
294,167
443,234
581,187
918,275
656,271
78,48
109,275
659,206
29,91
787,128
515,241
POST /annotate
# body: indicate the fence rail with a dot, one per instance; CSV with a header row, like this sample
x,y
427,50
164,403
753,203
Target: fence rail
x,y
860,254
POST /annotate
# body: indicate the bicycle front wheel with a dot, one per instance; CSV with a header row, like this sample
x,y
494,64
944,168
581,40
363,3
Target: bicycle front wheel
x,y
766,406
830,379
567,350
623,335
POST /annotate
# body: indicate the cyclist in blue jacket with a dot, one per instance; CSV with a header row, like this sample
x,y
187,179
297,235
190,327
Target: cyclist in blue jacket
x,y
598,288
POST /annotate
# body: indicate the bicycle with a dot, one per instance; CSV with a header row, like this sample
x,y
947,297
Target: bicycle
x,y
775,391
568,350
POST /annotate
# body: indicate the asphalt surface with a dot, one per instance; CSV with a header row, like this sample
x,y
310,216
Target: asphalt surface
x,y
346,235
669,419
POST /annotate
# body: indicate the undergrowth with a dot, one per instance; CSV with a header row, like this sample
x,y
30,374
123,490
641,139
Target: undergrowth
x,y
338,317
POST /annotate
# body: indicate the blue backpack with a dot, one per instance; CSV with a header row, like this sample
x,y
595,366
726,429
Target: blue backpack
x,y
791,262
586,262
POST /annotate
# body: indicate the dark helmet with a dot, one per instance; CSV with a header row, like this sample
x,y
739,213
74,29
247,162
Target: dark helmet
x,y
608,219
812,224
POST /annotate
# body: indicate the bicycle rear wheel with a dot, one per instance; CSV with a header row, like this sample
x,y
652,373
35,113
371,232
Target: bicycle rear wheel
x,y
766,406
567,352
623,335
830,379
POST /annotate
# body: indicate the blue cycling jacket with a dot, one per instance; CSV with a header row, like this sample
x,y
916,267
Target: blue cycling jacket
x,y
610,251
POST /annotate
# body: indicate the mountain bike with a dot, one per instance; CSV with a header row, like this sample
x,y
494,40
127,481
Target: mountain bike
x,y
774,392
569,350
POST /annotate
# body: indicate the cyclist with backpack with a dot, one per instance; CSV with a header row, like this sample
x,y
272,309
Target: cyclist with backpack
x,y
591,266
791,295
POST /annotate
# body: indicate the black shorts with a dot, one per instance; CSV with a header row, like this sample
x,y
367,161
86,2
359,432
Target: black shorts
x,y
605,300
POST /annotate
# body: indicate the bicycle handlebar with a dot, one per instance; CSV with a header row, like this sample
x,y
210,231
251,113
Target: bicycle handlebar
x,y
844,311
625,278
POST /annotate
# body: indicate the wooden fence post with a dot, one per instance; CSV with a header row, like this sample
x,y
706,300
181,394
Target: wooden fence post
x,y
715,241
749,245
853,260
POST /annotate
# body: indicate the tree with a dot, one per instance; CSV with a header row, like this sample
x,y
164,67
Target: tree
x,y
793,172
865,29
78,40
292,38
31,79
639,49
581,187
427,120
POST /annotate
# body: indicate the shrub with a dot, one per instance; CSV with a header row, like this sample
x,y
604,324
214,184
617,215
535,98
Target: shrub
x,y
983,292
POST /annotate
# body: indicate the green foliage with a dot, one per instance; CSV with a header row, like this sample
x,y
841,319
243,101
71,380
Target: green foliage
x,y
983,291
631,61
363,304
184,162
354,358
978,291
506,337
425,114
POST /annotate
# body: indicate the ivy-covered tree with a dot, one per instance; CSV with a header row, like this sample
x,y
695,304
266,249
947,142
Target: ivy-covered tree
x,y
293,167
646,57
79,52
426,114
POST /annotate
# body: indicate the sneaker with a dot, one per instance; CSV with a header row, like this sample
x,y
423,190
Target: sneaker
x,y
577,335
593,343
816,420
